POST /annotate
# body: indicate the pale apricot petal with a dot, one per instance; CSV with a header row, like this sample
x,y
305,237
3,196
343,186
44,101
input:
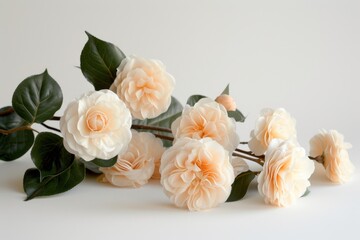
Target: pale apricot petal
x,y
330,146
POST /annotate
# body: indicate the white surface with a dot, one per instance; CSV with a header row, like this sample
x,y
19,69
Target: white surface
x,y
301,55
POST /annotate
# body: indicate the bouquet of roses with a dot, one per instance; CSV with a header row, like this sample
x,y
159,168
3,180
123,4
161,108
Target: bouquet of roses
x,y
131,128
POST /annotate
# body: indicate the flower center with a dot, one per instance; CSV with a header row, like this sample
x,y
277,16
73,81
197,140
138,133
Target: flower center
x,y
96,121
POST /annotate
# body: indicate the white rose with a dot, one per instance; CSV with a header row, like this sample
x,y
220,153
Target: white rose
x,y
144,86
96,126
196,174
227,101
207,119
332,150
270,125
285,174
136,166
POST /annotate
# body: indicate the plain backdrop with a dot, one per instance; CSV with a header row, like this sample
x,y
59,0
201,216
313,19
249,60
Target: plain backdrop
x,y
300,55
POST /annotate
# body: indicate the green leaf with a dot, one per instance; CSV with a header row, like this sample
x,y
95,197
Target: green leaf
x,y
98,62
307,192
49,154
240,186
14,145
226,90
164,120
237,115
194,99
95,164
37,98
104,163
66,180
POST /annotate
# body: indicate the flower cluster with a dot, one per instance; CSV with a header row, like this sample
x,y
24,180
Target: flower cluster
x,y
131,129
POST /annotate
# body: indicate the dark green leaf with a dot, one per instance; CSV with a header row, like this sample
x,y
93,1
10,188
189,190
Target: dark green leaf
x,y
306,192
164,120
49,154
240,186
98,62
226,90
237,115
92,167
104,163
51,185
194,99
14,145
37,98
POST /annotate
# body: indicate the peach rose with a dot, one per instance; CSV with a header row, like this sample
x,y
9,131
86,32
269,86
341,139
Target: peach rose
x,y
332,150
285,175
136,166
96,126
144,86
207,119
196,174
227,101
239,165
270,125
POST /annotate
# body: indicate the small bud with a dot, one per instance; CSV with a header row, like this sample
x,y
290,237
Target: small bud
x,y
227,101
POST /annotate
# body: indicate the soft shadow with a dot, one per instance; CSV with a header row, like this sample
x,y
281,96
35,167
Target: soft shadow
x,y
318,178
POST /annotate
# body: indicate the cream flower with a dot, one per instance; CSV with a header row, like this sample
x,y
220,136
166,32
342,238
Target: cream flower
x,y
144,86
136,166
270,125
196,174
96,126
227,101
239,165
332,150
285,175
207,118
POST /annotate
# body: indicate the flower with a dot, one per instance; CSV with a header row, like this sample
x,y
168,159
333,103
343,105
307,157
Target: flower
x,y
144,86
207,118
239,165
96,126
196,174
227,101
270,125
285,175
136,166
332,150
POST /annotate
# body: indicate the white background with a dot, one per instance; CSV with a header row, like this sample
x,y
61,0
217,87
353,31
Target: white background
x,y
300,55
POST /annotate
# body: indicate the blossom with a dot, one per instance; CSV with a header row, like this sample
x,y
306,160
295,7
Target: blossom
x,y
144,86
332,150
239,165
270,125
227,101
196,174
207,118
136,166
285,174
96,126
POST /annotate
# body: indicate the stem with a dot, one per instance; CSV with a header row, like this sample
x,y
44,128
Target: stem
x,y
55,118
144,127
258,160
6,132
51,128
319,159
244,143
7,112
164,137
249,153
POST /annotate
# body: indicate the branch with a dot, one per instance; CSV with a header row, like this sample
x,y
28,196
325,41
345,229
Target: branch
x,y
7,112
144,127
49,127
257,160
6,132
